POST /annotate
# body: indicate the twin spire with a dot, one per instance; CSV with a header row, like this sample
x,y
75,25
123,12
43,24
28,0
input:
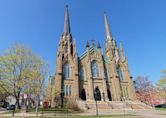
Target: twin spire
x,y
67,22
107,28
67,25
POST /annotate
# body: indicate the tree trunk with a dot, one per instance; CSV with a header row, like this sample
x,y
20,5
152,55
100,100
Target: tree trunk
x,y
13,112
17,100
17,104
26,106
37,105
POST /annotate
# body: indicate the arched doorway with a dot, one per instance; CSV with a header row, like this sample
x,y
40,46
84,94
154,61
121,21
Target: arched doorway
x,y
109,95
83,94
97,94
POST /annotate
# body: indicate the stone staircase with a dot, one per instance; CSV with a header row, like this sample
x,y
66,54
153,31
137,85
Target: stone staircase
x,y
138,105
113,105
100,105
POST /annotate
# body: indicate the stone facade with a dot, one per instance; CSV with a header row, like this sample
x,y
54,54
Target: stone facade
x,y
94,74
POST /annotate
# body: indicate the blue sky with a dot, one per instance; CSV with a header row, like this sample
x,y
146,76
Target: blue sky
x,y
139,24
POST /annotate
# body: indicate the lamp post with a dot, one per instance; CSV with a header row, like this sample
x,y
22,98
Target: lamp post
x,y
95,94
62,99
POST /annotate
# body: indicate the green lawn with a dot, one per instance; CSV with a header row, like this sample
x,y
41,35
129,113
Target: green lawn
x,y
110,116
42,110
64,114
163,109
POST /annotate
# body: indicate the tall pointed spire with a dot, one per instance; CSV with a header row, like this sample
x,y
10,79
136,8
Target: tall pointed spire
x,y
107,28
67,21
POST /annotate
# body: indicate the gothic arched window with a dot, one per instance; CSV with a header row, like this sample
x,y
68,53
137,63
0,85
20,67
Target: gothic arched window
x,y
120,73
82,73
95,69
66,71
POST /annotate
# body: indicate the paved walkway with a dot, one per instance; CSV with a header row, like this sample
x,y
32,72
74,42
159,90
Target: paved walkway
x,y
151,113
141,113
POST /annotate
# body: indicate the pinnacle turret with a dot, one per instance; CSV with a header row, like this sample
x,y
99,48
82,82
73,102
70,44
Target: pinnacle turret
x,y
123,56
74,46
87,44
98,45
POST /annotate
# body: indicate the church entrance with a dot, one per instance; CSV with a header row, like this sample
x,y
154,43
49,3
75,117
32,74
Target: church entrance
x,y
109,95
83,94
97,94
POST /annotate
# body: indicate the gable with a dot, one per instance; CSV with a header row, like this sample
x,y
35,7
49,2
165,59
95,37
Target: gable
x,y
92,50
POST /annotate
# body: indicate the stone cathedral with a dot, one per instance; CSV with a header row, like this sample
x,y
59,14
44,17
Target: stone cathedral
x,y
94,75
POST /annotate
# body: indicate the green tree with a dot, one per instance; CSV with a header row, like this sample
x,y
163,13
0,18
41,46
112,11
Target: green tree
x,y
161,85
36,80
22,71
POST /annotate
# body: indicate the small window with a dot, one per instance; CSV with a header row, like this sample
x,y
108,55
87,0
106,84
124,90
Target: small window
x,y
82,73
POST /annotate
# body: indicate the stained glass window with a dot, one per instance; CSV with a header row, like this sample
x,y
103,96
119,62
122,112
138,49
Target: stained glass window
x,y
66,71
95,69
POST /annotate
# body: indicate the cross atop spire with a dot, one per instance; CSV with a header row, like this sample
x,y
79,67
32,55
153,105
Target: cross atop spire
x,y
67,21
107,28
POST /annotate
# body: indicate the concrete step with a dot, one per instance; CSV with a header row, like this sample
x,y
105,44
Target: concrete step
x,y
111,105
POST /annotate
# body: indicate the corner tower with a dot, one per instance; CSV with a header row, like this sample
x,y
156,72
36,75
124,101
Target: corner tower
x,y
112,55
66,78
122,83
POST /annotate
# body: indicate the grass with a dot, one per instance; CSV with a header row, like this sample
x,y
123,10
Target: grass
x,y
44,110
55,110
162,109
105,116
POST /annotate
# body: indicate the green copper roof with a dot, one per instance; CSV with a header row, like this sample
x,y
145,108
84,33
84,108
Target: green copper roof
x,y
93,49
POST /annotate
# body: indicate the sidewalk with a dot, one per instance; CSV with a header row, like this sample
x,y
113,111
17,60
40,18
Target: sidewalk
x,y
142,113
151,113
